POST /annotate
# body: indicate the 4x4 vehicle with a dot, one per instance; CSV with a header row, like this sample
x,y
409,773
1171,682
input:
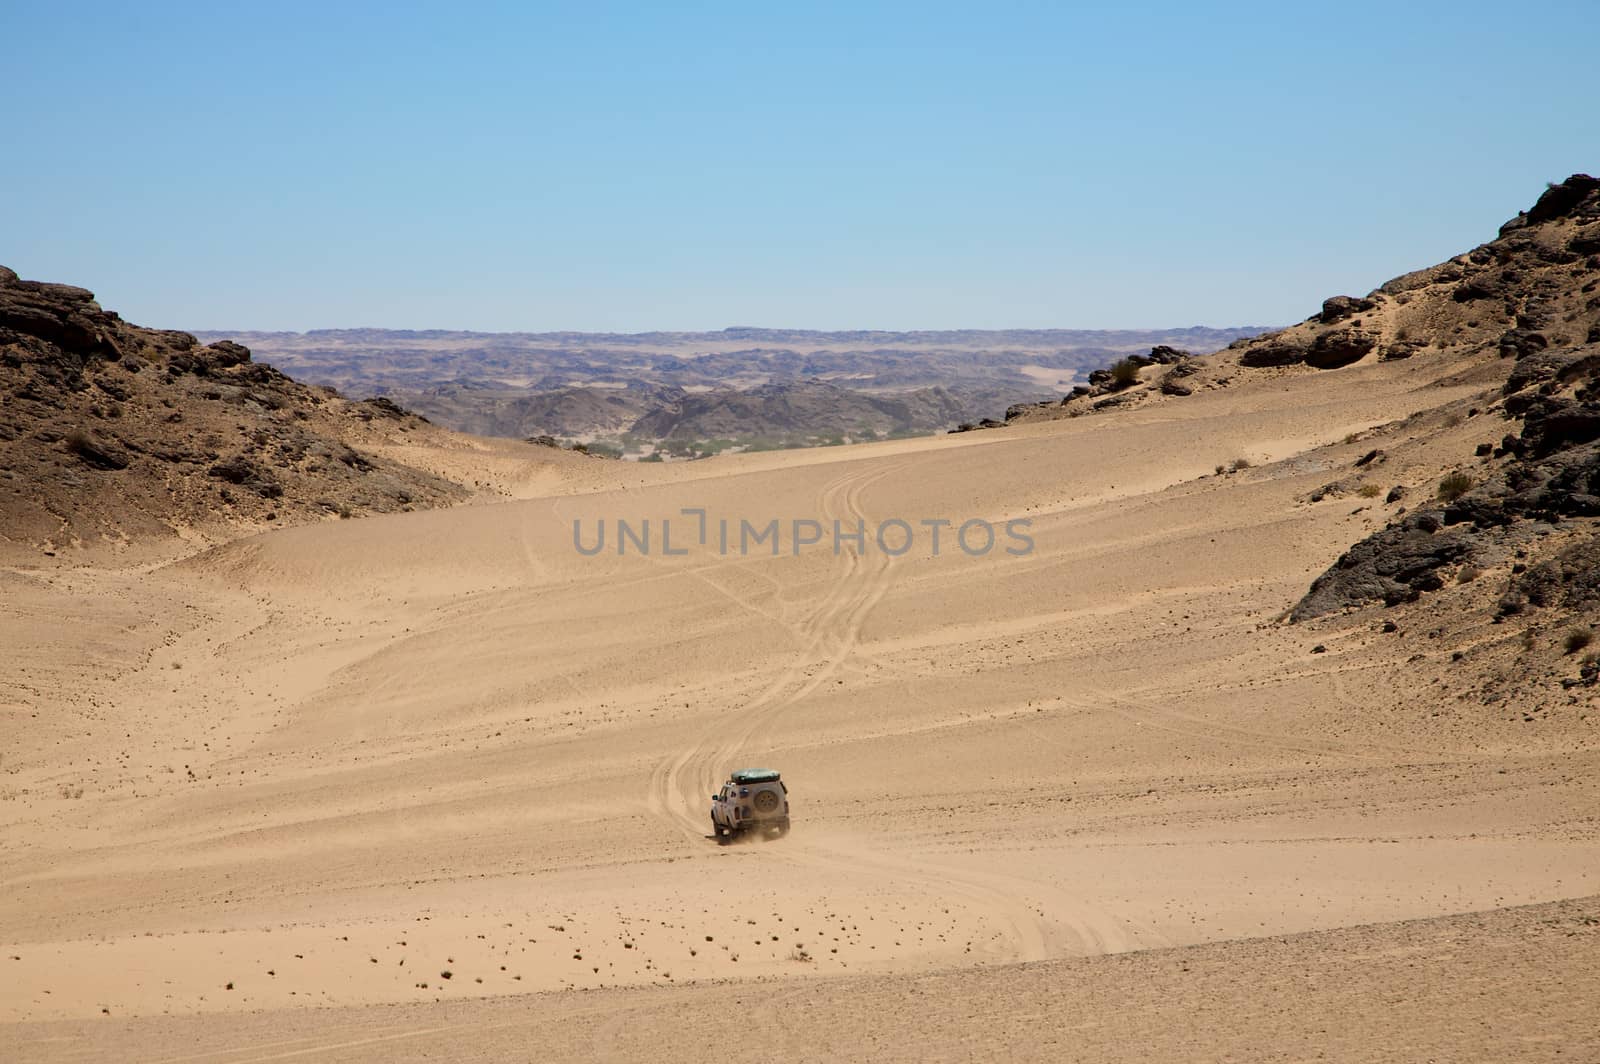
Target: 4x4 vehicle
x,y
753,799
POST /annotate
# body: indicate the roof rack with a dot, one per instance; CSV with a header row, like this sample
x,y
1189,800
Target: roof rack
x,y
755,775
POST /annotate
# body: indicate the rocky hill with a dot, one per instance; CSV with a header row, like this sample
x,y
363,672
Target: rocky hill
x,y
1529,291
1531,298
1509,529
110,431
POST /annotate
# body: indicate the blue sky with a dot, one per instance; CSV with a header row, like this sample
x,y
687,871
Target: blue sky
x,y
685,166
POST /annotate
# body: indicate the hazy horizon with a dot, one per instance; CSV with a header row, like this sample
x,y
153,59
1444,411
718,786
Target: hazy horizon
x,y
734,328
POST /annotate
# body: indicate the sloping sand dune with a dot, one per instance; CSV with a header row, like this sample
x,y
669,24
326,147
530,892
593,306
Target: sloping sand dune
x,y
327,765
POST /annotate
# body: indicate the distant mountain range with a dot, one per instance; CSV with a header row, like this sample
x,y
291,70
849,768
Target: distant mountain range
x,y
692,393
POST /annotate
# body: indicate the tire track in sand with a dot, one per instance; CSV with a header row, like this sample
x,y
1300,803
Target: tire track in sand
x,y
827,634
830,633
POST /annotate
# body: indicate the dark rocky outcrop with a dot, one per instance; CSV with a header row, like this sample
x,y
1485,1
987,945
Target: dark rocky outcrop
x,y
1545,474
1575,195
1274,352
1395,565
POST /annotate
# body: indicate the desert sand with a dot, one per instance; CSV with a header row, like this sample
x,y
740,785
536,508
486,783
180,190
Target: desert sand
x,y
435,783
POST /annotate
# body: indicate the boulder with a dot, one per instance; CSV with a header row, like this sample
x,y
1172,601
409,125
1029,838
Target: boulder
x,y
1511,226
1338,308
1481,286
1341,347
1273,352
225,353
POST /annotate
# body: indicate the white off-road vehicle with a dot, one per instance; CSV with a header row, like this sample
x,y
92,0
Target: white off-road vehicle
x,y
753,799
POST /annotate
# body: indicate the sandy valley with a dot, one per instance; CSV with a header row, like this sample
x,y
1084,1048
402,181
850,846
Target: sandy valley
x,y
316,789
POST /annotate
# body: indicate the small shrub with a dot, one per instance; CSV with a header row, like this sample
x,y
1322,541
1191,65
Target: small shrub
x,y
1454,485
1452,420
1221,469
1577,638
1124,373
79,442
1468,574
1351,437
1238,464
1369,491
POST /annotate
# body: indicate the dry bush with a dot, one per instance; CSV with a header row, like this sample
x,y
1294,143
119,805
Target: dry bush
x,y
1454,485
1369,491
1577,637
1124,373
